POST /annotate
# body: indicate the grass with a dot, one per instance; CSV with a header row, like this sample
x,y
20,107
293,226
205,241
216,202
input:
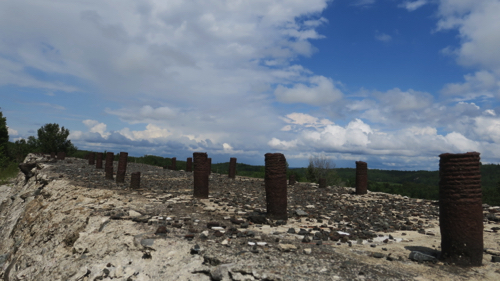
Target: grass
x,y
7,173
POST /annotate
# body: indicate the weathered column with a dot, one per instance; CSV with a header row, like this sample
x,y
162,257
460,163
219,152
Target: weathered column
x,y
109,165
91,158
61,155
361,177
291,180
460,208
201,170
135,180
322,183
209,165
232,168
122,167
275,183
98,161
174,164
189,164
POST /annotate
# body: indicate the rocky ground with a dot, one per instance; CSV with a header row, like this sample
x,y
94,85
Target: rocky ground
x,y
64,221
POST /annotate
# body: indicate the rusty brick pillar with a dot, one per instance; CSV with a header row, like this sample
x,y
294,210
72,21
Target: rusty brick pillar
x,y
174,164
275,183
201,169
291,180
189,164
209,165
91,158
109,165
98,161
52,155
232,168
460,208
361,177
322,183
122,167
61,156
135,180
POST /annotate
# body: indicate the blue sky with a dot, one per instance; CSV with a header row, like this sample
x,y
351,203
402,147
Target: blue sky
x,y
391,82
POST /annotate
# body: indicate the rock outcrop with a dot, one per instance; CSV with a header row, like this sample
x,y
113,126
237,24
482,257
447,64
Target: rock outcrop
x,y
64,221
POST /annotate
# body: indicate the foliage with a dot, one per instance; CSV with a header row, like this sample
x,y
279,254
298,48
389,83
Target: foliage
x,y
8,172
4,132
4,160
51,138
321,166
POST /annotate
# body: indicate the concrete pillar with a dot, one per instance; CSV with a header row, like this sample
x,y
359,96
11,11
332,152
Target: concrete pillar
x,y
189,164
61,155
109,165
122,167
135,180
322,183
361,177
201,171
275,183
98,161
232,168
460,208
91,158
174,164
291,180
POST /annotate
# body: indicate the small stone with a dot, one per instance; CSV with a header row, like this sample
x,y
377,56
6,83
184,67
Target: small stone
x,y
301,213
303,232
287,247
196,250
418,256
291,231
133,213
495,258
378,255
306,239
161,230
307,251
373,245
492,252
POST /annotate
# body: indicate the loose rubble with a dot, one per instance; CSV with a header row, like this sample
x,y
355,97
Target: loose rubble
x,y
63,220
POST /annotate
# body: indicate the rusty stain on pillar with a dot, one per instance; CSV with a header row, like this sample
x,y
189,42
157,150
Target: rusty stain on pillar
x,y
361,177
98,161
201,171
291,180
232,168
61,155
91,158
189,164
174,164
109,165
135,180
122,167
209,165
322,183
276,187
460,208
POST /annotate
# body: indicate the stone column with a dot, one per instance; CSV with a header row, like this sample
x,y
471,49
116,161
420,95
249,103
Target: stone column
x,y
122,167
291,180
322,183
174,164
91,158
275,183
209,165
232,168
189,164
98,161
201,169
460,208
61,156
109,165
361,177
135,180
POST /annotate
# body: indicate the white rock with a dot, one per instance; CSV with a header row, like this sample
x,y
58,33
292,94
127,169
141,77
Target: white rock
x,y
133,213
307,251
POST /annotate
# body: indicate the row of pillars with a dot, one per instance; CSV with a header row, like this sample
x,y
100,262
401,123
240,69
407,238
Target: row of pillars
x,y
460,203
97,159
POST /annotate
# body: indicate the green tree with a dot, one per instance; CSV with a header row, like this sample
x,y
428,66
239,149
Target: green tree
x,y
321,166
51,138
20,149
4,140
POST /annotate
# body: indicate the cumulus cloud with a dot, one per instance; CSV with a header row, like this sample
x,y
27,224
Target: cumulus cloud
x,y
480,84
96,127
12,132
320,90
413,5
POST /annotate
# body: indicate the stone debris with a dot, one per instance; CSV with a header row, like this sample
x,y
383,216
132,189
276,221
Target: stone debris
x,y
83,227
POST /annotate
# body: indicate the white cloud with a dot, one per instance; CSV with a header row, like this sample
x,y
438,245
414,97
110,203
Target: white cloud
x,y
413,5
480,84
96,127
12,132
319,91
383,37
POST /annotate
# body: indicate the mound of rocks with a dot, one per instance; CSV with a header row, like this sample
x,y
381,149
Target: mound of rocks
x,y
63,220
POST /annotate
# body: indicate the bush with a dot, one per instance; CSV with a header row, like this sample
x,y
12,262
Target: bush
x,y
321,166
